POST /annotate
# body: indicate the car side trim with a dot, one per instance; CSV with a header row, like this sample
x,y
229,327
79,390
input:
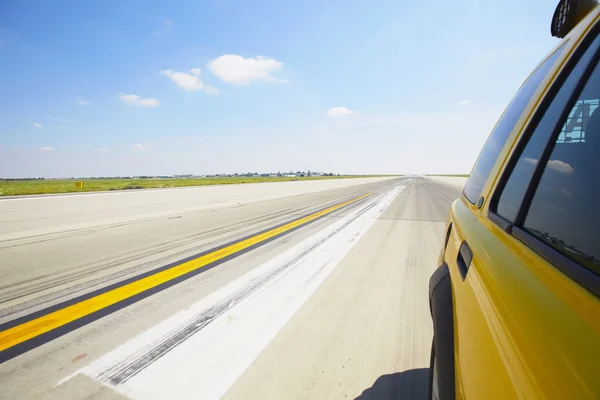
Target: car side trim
x,y
578,273
442,314
505,224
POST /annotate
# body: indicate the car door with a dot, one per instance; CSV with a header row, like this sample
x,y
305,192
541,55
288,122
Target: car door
x,y
523,254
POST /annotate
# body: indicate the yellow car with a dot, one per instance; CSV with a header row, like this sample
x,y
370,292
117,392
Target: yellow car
x,y
516,301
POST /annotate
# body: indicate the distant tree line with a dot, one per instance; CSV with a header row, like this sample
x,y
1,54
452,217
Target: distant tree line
x,y
21,179
247,174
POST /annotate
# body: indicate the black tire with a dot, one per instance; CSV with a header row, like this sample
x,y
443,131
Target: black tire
x,y
433,376
442,350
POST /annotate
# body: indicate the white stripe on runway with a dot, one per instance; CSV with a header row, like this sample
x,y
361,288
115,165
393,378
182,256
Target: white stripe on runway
x,y
201,351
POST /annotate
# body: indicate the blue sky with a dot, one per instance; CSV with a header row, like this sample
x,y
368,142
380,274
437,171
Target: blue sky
x,y
104,88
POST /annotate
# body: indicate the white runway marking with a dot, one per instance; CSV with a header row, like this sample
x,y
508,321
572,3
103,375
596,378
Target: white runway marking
x,y
201,351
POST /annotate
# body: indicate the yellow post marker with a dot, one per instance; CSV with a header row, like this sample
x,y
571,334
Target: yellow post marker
x,y
78,185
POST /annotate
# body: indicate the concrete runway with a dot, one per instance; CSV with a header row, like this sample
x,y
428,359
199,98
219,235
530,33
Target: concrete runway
x,y
345,315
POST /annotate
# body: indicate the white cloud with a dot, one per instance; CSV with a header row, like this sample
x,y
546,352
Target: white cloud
x,y
238,70
560,166
190,81
102,150
139,147
464,101
82,102
338,111
211,90
138,101
168,27
555,165
46,149
531,161
37,125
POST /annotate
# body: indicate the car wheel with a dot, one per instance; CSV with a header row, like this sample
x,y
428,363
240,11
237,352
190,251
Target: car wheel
x,y
434,392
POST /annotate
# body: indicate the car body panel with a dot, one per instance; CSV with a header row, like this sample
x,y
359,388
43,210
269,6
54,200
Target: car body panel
x,y
519,320
522,328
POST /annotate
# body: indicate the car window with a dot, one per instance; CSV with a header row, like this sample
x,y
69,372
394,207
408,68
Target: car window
x,y
514,190
563,211
504,126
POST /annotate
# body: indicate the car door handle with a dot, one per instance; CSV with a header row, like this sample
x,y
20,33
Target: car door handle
x,y
463,260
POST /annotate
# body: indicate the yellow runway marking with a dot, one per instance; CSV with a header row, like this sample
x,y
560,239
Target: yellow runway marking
x,y
46,323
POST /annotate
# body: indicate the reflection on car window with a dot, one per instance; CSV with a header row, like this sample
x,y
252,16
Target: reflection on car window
x,y
574,128
564,211
497,139
514,190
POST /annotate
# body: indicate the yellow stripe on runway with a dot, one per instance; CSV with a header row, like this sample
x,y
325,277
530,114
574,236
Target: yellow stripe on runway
x,y
31,329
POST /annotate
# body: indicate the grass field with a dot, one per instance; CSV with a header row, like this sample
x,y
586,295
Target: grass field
x,y
17,188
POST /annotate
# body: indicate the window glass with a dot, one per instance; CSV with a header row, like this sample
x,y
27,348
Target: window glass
x,y
574,129
516,186
493,146
564,210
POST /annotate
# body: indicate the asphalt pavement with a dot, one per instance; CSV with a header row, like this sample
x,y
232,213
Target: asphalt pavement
x,y
266,291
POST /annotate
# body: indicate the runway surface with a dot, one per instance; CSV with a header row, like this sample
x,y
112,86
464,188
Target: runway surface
x,y
284,290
